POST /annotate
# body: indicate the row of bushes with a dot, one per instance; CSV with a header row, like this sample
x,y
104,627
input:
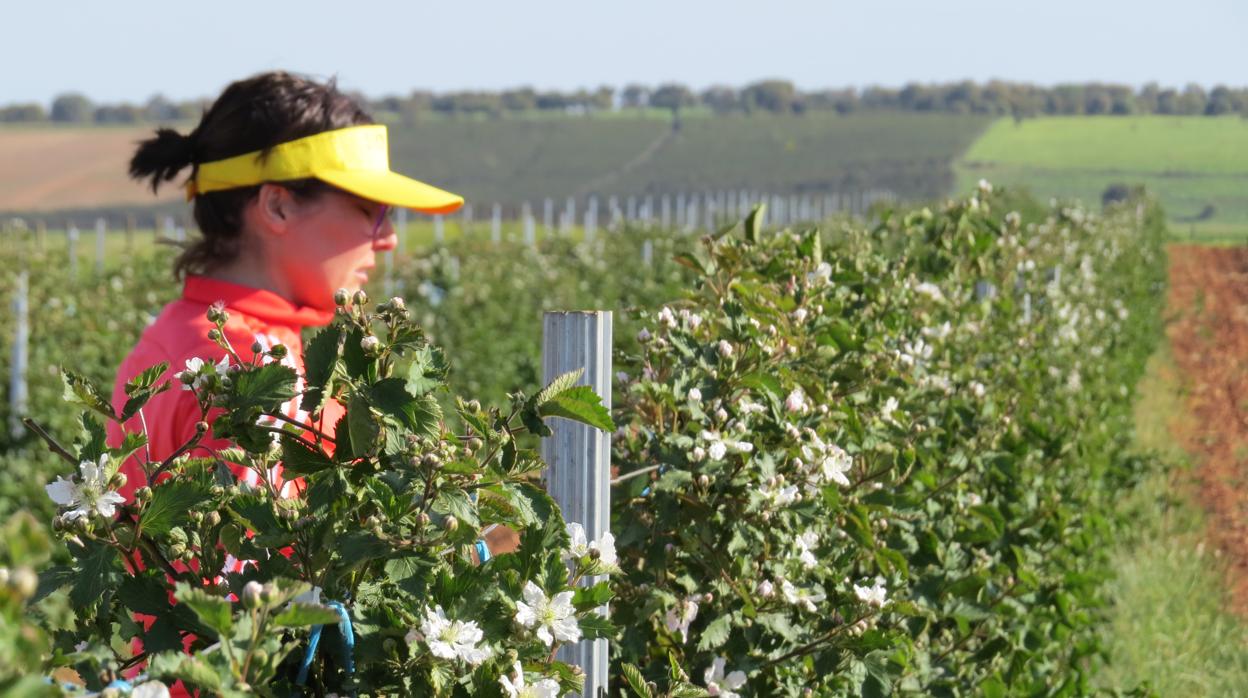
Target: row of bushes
x,y
887,457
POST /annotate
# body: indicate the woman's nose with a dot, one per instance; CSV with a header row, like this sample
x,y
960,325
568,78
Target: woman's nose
x,y
387,237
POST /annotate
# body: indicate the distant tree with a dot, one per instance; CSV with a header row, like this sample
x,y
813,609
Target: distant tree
x,y
673,97
117,114
553,100
189,110
390,104
1146,99
720,99
635,96
158,109
71,108
519,99
23,113
776,96
1193,100
1221,101
603,98
1168,102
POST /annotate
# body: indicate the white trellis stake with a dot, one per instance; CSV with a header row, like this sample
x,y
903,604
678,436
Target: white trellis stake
x,y
579,456
71,237
21,338
101,230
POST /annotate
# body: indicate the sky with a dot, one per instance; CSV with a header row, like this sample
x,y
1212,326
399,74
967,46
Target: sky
x,y
130,50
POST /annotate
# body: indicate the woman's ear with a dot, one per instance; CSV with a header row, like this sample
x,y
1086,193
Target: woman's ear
x,y
273,209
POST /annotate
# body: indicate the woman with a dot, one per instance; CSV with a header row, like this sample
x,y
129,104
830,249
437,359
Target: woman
x,y
291,187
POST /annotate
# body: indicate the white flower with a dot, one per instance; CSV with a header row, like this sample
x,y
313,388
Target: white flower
x,y
681,616
544,688
930,290
643,336
621,376
977,389
806,545
985,187
717,450
890,406
820,275
875,595
766,589
554,617
150,689
974,499
719,685
694,320
725,349
939,332
695,395
697,454
799,315
578,546
451,639
91,496
781,495
195,368
796,401
667,318
605,545
803,598
832,460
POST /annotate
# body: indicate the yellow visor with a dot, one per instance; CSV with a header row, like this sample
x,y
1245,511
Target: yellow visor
x,y
355,159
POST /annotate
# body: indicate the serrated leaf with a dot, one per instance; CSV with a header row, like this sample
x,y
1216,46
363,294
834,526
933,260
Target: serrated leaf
x,y
303,614
579,404
319,358
754,222
421,414
79,391
213,611
302,458
170,500
427,372
142,388
93,441
456,503
266,387
595,626
558,385
363,425
716,633
636,681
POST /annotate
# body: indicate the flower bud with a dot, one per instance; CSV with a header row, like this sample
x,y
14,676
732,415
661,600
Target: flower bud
x,y
279,351
214,334
186,377
117,481
197,517
360,297
341,297
256,347
474,406
370,344
704,481
397,303
143,494
213,518
422,519
268,593
451,524
4,576
201,427
431,460
217,491
474,444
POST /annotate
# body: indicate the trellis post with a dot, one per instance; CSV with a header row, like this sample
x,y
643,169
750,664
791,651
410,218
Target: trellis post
x,y
101,231
21,338
578,456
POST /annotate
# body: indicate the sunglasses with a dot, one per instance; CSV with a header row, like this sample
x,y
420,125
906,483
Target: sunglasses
x,y
386,211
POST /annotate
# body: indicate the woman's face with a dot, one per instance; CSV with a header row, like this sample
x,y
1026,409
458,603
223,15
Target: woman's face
x,y
331,245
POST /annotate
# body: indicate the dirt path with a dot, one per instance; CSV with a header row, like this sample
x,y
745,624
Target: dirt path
x,y
1208,332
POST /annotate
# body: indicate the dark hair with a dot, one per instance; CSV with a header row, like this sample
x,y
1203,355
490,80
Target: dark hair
x,y
253,114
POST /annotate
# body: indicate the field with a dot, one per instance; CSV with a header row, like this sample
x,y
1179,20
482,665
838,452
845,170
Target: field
x,y
1191,163
513,160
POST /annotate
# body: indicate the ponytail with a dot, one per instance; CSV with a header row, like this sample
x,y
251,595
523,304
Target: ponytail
x,y
161,158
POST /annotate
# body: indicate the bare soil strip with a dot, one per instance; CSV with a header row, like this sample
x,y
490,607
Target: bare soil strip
x,y
1208,331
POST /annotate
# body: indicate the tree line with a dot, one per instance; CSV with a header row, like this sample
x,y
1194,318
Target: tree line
x,y
1020,100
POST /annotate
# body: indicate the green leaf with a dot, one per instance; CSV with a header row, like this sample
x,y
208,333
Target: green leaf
x,y
93,441
421,414
363,425
170,500
636,681
579,404
595,626
427,372
189,669
302,614
716,633
302,458
319,358
353,356
266,387
409,573
688,690
98,569
142,388
754,223
213,611
79,391
559,385
456,503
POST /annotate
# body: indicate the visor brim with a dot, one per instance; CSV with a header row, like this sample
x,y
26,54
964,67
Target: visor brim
x,y
394,189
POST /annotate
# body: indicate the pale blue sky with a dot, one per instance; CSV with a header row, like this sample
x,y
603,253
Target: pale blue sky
x,y
131,49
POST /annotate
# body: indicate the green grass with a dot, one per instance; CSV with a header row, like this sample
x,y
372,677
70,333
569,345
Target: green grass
x,y
1189,162
1170,626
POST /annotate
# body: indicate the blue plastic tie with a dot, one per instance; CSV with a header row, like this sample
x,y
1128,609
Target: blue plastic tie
x,y
121,685
483,552
347,634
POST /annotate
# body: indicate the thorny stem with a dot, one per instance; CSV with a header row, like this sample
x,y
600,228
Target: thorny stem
x,y
51,441
319,434
168,462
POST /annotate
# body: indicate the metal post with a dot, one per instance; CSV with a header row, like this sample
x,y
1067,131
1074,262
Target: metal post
x,y
71,238
1027,308
578,456
130,225
466,226
665,211
21,338
439,230
496,224
530,227
548,216
647,252
41,234
401,245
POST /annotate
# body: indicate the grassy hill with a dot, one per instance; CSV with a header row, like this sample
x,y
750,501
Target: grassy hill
x,y
1195,164
513,160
